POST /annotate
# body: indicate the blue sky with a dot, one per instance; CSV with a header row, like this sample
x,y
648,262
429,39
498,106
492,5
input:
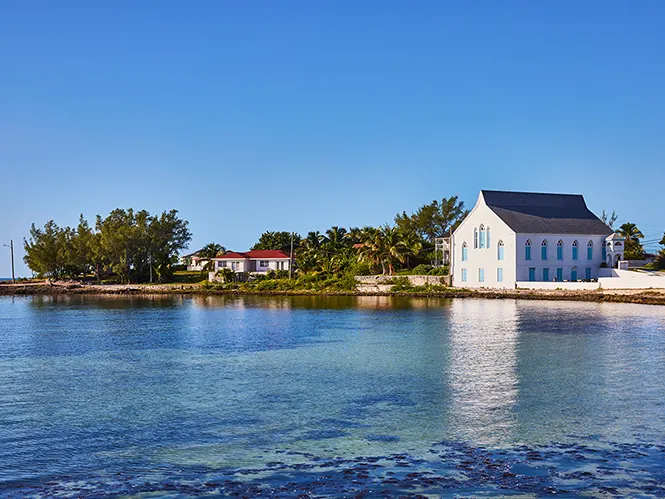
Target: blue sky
x,y
252,116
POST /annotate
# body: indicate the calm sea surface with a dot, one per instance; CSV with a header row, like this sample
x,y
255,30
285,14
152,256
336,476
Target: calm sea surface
x,y
339,396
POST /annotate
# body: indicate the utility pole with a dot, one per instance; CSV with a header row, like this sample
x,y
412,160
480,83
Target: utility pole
x,y
11,249
291,259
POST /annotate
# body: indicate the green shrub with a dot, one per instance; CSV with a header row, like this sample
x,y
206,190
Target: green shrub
x,y
400,284
267,285
282,274
422,269
439,270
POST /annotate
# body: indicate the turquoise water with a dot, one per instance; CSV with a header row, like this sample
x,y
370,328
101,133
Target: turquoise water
x,y
315,396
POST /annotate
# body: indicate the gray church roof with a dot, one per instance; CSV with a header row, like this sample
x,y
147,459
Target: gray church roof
x,y
539,213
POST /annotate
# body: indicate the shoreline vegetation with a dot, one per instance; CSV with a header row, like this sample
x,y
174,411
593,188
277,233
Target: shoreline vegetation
x,y
646,296
134,248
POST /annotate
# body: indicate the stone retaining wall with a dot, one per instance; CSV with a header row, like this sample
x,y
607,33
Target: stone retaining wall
x,y
415,280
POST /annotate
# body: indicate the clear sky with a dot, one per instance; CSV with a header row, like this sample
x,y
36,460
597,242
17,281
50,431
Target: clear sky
x,y
253,116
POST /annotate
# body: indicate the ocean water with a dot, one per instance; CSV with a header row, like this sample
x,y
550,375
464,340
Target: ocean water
x,y
329,396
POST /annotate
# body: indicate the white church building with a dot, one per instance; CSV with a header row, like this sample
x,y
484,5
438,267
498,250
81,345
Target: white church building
x,y
513,237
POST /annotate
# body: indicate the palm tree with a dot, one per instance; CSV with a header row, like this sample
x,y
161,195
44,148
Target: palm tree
x,y
314,240
633,248
354,235
336,237
631,232
393,248
208,252
384,247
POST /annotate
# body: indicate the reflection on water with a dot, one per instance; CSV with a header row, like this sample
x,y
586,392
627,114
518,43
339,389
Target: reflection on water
x,y
483,369
190,386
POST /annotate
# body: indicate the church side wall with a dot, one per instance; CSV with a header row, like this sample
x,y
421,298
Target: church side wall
x,y
567,264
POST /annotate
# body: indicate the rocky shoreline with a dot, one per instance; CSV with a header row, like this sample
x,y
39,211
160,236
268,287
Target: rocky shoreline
x,y
647,297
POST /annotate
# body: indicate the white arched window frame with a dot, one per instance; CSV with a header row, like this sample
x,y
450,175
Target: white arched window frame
x,y
559,250
543,250
589,250
575,250
527,249
499,250
482,236
465,252
475,238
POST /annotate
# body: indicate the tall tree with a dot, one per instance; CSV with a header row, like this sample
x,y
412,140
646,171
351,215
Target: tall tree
x,y
609,220
434,219
167,236
43,251
280,240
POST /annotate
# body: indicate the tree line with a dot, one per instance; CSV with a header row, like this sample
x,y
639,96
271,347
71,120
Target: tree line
x,y
387,249
131,246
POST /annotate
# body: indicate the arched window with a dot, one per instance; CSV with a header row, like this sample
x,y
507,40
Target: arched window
x,y
589,250
488,236
559,250
543,250
604,251
475,238
499,250
575,248
465,252
527,250
482,236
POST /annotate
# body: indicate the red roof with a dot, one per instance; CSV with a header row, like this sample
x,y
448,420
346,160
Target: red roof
x,y
257,254
232,255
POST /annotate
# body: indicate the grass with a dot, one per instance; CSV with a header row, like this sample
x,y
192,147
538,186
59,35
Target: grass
x,y
189,277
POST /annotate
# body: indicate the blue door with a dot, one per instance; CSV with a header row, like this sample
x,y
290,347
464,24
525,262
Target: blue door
x,y
546,275
588,272
573,275
532,274
559,274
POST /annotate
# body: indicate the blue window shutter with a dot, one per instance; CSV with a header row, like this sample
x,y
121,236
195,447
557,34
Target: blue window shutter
x,y
499,275
559,252
589,253
543,252
574,252
527,254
